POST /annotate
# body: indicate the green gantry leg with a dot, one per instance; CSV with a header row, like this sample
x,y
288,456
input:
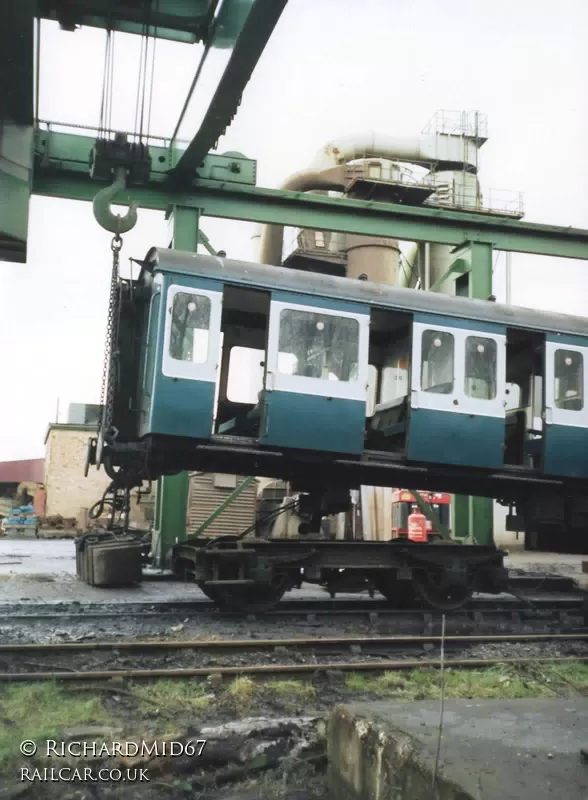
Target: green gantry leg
x,y
474,516
171,499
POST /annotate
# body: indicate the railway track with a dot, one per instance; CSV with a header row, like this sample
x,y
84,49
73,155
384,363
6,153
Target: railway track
x,y
296,655
301,643
556,602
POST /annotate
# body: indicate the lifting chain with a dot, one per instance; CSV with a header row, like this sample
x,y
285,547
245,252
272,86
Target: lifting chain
x,y
110,367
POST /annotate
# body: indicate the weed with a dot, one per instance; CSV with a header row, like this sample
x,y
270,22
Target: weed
x,y
172,697
292,690
504,681
241,692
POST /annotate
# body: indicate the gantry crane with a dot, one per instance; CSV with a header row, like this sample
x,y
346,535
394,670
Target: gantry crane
x,y
183,178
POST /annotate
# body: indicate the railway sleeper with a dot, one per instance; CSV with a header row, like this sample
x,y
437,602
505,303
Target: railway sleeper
x,y
255,577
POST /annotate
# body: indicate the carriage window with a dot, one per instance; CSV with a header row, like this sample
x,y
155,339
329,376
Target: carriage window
x,y
245,380
437,362
315,345
189,327
569,379
480,367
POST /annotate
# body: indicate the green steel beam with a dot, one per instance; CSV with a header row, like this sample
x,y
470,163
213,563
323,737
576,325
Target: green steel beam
x,y
224,505
229,201
16,162
178,20
183,229
473,517
17,61
205,242
65,156
457,268
237,40
171,500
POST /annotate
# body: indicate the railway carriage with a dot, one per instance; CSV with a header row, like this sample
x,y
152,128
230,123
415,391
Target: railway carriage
x,y
331,383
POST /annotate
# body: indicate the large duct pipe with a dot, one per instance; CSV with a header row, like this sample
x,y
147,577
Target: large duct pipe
x,y
327,171
409,273
425,150
272,239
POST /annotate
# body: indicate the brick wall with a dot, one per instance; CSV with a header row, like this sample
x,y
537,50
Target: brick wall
x,y
68,491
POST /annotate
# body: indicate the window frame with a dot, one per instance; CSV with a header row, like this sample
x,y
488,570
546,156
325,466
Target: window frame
x,y
190,370
207,329
557,400
447,402
553,414
355,389
429,389
465,375
312,312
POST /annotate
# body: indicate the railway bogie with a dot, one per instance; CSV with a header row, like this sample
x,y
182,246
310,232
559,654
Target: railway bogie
x,y
242,573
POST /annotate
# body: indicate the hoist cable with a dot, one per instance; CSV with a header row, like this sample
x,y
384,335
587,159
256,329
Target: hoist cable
x,y
144,54
152,81
111,82
103,103
139,75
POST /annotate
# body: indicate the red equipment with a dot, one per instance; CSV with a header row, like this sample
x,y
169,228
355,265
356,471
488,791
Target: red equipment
x,y
417,526
403,502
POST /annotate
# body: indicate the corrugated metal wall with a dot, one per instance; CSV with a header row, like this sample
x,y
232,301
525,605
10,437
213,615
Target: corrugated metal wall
x,y
207,491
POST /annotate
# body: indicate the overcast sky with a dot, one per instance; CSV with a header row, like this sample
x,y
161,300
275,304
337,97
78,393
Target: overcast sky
x,y
327,71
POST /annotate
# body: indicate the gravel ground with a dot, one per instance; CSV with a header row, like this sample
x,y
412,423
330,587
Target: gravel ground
x,y
209,625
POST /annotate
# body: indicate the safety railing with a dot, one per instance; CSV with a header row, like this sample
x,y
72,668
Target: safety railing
x,y
502,202
458,123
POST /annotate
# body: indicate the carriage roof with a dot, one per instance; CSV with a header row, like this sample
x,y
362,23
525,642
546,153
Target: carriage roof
x,y
379,295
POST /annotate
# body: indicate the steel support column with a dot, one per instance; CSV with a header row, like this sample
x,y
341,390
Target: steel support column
x,y
171,499
473,516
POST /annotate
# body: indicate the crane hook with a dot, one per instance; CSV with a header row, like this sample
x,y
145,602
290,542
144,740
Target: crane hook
x,y
103,200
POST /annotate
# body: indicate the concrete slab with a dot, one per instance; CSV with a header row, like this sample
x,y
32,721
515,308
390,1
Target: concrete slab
x,y
490,750
559,563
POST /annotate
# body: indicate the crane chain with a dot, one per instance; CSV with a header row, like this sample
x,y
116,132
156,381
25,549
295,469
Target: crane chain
x,y
110,365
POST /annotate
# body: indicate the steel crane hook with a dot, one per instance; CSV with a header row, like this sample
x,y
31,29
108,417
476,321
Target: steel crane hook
x,y
104,199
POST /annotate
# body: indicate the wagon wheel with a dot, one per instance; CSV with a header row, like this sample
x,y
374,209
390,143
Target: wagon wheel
x,y
436,593
253,597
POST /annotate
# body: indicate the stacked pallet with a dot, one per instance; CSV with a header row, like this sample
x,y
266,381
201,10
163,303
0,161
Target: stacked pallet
x,y
21,520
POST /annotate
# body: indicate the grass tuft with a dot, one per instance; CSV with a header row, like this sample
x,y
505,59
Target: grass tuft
x,y
38,711
241,692
170,697
502,681
300,691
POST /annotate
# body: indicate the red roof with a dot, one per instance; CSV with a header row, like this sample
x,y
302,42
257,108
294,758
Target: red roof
x,y
31,470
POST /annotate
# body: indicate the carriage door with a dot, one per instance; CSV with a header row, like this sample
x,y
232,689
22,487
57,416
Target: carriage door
x,y
315,386
566,413
457,394
190,362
